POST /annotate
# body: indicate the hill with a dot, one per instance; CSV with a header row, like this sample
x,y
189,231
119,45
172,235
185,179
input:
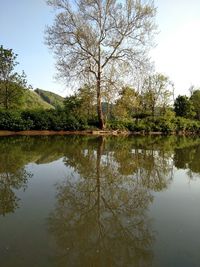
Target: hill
x,y
51,98
33,101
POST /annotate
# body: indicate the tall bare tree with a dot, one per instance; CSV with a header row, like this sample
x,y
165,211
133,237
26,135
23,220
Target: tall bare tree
x,y
91,37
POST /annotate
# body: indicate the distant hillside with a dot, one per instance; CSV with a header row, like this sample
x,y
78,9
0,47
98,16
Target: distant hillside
x,y
51,98
33,101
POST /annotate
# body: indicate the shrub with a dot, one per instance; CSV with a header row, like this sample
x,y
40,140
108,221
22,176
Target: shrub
x,y
183,124
120,125
12,120
39,118
163,125
60,120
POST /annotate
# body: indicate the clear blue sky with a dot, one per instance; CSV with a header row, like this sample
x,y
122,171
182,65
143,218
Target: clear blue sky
x,y
22,29
176,55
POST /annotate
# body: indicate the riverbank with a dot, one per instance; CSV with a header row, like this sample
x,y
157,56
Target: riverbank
x,y
91,132
45,132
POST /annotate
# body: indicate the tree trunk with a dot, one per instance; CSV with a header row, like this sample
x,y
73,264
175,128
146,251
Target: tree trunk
x,y
6,96
99,107
99,104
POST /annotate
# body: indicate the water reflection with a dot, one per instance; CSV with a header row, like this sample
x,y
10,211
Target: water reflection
x,y
101,216
102,209
13,176
188,158
148,160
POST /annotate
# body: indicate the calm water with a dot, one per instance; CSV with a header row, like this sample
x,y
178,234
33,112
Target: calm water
x,y
85,201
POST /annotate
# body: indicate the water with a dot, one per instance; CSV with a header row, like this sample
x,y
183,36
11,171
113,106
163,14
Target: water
x,y
87,201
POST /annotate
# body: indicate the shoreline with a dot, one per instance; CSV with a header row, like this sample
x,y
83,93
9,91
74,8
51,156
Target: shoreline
x,y
90,132
49,132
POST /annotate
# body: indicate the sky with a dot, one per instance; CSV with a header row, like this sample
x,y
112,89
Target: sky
x,y
177,53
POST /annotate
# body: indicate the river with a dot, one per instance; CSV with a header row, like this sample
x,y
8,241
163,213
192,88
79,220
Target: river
x,y
99,201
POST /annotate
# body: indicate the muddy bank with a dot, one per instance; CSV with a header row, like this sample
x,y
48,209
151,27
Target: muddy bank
x,y
86,132
90,132
44,132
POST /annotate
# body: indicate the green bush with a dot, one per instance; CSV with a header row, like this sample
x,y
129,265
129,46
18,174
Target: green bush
x,y
137,126
163,125
12,120
53,120
116,125
60,120
182,124
120,125
39,118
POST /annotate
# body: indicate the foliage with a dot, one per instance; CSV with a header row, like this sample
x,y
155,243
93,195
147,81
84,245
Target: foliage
x,y
72,104
159,124
157,93
119,124
12,84
12,120
183,107
81,105
127,104
58,120
53,120
183,124
195,100
87,97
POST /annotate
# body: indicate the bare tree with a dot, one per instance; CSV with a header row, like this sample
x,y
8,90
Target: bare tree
x,y
91,37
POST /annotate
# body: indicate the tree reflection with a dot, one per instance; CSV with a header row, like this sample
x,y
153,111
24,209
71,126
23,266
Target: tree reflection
x,y
13,176
149,162
8,183
101,216
119,162
188,158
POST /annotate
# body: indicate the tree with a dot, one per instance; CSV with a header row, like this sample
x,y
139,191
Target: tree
x,y
72,104
157,93
183,107
91,38
81,104
12,84
86,94
195,100
127,104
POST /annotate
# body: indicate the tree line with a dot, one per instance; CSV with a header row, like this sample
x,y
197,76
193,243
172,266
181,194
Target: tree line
x,y
126,108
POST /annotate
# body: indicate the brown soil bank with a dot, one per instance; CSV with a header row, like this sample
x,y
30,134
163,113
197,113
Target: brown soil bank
x,y
96,132
90,132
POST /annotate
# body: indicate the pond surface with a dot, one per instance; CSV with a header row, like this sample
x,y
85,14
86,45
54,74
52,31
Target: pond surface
x,y
96,201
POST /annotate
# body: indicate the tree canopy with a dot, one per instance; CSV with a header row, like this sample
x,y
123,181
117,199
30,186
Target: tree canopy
x,y
12,84
183,107
195,101
93,38
157,93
